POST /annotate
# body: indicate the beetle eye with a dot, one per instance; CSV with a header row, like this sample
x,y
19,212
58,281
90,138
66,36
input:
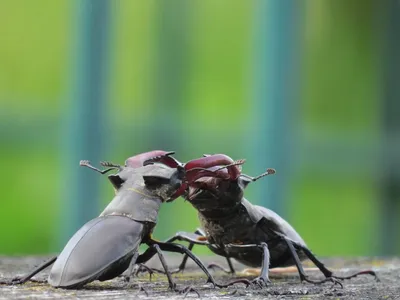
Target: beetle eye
x,y
154,181
116,181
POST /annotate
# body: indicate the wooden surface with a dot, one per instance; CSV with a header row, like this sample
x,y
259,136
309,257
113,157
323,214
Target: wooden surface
x,y
284,286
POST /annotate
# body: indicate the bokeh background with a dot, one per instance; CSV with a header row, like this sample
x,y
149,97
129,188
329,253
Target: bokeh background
x,y
310,88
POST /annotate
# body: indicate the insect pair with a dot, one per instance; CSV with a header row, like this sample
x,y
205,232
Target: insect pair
x,y
108,245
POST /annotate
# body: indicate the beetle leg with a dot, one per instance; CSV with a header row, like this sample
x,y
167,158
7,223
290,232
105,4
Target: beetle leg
x,y
21,280
138,259
142,289
303,276
217,266
197,238
263,279
187,290
86,163
228,260
132,264
143,268
182,249
145,257
155,247
171,247
172,284
326,271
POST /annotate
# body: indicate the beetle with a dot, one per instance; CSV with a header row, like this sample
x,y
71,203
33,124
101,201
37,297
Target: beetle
x,y
235,228
106,246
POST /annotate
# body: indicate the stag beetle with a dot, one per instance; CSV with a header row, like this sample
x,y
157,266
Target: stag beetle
x,y
106,246
235,228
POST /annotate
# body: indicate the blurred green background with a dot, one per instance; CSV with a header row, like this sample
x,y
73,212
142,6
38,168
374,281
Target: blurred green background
x,y
104,80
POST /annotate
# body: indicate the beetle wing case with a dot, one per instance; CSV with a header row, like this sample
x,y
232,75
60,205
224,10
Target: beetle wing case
x,y
101,249
272,221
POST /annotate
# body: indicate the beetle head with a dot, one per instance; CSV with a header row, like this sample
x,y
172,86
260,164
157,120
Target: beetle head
x,y
164,181
138,161
214,167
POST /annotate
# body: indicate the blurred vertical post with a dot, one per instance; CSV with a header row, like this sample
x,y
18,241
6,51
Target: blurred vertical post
x,y
171,62
170,71
85,122
277,68
390,179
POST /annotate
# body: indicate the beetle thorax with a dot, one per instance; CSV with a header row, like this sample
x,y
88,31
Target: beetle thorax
x,y
139,196
135,200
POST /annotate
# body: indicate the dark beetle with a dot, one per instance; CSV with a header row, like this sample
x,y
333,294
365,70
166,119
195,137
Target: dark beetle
x,y
106,246
235,228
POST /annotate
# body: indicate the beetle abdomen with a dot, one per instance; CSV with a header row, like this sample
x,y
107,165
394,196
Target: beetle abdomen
x,y
101,249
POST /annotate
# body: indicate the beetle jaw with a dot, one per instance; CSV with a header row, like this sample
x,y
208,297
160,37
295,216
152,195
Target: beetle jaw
x,y
179,183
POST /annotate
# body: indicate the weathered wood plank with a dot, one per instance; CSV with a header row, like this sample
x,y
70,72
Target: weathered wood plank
x,y
285,286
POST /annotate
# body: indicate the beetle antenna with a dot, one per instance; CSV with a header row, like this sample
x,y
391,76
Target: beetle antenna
x,y
110,164
86,163
238,162
269,172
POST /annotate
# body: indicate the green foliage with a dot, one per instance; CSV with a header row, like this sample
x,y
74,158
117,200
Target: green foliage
x,y
340,97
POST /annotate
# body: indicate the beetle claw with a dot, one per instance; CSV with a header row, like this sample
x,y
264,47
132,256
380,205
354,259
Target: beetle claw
x,y
246,282
366,272
172,286
332,279
143,268
142,289
260,282
335,281
16,281
187,290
